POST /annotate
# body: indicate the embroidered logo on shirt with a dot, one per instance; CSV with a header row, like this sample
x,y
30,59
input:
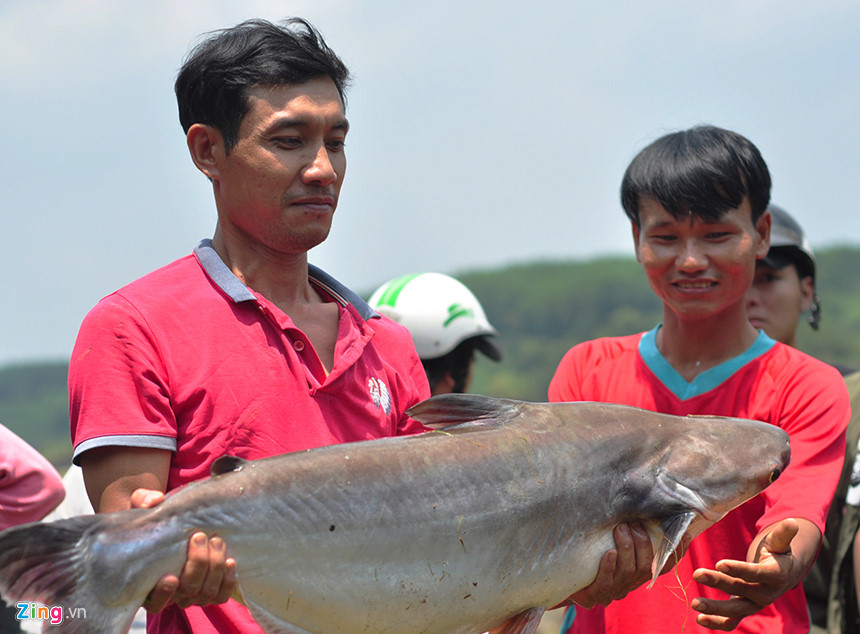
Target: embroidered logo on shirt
x,y
380,394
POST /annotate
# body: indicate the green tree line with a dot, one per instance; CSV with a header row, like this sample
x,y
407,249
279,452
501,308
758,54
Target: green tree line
x,y
540,309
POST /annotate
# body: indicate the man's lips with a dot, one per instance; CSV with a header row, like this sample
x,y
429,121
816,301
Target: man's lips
x,y
694,285
316,203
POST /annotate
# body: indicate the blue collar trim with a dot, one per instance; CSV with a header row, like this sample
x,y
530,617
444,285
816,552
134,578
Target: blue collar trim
x,y
707,380
220,273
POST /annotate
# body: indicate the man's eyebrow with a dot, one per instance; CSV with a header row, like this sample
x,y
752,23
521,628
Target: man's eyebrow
x,y
282,123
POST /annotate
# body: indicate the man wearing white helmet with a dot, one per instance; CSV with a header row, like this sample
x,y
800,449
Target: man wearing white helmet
x,y
784,284
447,323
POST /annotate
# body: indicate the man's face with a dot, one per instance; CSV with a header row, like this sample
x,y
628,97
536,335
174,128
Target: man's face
x,y
279,185
700,268
776,300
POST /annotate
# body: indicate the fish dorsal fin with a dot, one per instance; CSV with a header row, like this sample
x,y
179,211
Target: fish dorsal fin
x,y
226,464
446,410
673,531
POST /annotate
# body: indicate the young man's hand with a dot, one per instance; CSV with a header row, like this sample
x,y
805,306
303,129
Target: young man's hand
x,y
624,568
778,564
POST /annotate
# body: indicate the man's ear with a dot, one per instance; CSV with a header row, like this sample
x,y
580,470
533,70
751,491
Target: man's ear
x,y
807,293
762,230
206,145
445,385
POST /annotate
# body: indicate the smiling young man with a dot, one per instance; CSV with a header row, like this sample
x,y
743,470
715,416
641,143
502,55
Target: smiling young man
x,y
697,202
242,347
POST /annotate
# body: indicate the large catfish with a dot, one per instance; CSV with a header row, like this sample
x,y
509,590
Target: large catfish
x,y
502,515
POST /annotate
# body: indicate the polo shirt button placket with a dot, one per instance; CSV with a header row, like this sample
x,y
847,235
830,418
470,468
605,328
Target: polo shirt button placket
x,y
298,345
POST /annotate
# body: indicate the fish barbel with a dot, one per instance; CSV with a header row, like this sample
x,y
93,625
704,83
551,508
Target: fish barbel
x,y
502,512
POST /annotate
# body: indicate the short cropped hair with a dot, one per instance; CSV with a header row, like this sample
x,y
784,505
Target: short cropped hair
x,y
456,363
212,85
704,171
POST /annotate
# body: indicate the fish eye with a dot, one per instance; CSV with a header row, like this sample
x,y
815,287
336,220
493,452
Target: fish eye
x,y
774,475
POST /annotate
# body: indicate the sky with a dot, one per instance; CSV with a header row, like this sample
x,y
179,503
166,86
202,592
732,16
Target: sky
x,y
483,134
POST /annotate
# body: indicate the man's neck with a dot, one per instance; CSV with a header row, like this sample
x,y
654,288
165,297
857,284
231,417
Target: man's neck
x,y
280,278
693,346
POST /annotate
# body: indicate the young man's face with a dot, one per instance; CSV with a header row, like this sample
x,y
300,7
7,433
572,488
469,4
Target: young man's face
x,y
699,268
280,183
776,300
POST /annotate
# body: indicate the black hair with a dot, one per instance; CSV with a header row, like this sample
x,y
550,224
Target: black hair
x,y
704,171
456,363
212,85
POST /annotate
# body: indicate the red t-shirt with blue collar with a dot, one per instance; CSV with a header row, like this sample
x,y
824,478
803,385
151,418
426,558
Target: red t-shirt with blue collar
x,y
190,360
769,382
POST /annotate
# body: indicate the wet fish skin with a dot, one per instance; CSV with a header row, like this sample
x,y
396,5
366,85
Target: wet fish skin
x,y
456,530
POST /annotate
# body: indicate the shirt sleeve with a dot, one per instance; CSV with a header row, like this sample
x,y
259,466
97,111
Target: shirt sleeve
x,y
118,382
565,383
29,486
814,410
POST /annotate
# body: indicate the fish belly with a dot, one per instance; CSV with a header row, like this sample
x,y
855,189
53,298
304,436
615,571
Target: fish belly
x,y
450,576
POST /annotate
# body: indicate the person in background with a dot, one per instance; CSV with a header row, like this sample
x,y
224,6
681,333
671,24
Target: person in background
x,y
697,201
784,285
447,323
30,488
241,347
833,587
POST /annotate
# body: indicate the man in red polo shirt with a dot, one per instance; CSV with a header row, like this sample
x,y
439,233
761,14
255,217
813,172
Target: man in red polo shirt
x,y
242,347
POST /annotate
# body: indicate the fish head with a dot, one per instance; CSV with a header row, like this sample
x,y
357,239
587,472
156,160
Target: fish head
x,y
701,468
718,463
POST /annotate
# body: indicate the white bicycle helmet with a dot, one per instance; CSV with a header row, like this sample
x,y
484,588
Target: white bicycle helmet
x,y
439,312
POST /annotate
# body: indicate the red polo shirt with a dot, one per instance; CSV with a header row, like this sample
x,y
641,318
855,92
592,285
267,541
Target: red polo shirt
x,y
190,360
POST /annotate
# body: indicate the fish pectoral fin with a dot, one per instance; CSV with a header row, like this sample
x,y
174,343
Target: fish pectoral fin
x,y
226,464
525,622
673,531
446,410
237,595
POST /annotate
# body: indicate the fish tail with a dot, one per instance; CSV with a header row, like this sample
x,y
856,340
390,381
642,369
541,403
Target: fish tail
x,y
43,575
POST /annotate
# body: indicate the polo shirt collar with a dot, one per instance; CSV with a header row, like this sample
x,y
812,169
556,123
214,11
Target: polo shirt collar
x,y
233,287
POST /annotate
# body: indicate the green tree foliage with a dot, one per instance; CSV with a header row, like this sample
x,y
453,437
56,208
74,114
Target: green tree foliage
x,y
541,310
34,404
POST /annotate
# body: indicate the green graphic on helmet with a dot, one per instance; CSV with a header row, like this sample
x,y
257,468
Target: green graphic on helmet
x,y
455,311
392,291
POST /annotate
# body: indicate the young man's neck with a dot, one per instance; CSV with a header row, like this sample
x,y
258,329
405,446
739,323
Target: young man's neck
x,y
693,346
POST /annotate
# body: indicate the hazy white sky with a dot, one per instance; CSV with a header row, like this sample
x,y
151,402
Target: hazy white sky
x,y
483,133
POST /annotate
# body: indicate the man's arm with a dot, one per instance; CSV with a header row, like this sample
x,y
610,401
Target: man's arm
x,y
777,560
855,554
120,478
112,474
